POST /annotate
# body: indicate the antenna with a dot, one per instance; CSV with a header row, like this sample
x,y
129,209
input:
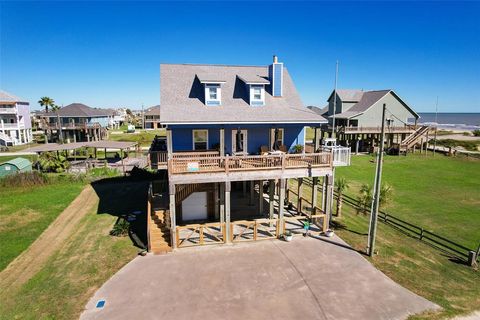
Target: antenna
x,y
335,99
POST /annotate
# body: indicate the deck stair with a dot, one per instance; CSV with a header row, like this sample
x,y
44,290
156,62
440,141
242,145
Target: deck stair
x,y
413,138
159,232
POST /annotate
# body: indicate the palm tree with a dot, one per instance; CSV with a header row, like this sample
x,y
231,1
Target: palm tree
x,y
341,185
55,107
46,102
365,198
386,192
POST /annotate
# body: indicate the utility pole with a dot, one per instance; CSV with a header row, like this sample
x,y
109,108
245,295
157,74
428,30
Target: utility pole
x,y
436,126
372,231
335,100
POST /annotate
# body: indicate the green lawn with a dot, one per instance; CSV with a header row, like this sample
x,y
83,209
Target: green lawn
x,y
442,193
26,212
144,137
32,158
88,258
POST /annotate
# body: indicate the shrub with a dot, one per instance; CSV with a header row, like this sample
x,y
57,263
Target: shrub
x,y
120,229
25,179
298,148
50,162
103,172
476,133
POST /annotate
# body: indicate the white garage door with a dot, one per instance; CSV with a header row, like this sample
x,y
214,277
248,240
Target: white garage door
x,y
195,207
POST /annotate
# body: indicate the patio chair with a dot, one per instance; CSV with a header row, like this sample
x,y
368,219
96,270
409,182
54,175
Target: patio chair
x,y
283,148
263,150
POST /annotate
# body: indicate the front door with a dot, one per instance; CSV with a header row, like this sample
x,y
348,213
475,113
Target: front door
x,y
195,207
239,141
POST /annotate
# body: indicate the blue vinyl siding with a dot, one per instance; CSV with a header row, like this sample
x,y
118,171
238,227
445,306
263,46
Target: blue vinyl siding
x,y
277,80
257,136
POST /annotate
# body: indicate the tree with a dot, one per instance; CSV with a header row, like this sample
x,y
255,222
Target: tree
x,y
46,102
366,196
341,185
55,107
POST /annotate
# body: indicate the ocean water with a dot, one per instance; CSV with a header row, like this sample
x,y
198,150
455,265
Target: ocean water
x,y
452,121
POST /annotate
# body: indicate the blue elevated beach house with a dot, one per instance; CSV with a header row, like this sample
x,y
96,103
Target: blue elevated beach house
x,y
233,132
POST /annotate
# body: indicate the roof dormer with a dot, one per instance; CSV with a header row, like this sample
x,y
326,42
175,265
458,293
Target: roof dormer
x,y
213,88
255,89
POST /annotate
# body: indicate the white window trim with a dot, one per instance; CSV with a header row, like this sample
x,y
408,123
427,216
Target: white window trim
x,y
252,94
207,94
272,136
245,142
193,137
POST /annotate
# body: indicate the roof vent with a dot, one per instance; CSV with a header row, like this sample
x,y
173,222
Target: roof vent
x,y
275,73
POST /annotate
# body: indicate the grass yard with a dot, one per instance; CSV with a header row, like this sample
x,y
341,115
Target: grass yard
x,y
32,158
87,258
440,193
143,137
26,212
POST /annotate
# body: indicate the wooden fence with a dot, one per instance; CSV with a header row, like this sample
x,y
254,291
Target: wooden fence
x,y
253,230
200,234
412,230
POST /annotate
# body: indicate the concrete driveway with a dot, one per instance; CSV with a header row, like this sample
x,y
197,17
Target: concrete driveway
x,y
307,278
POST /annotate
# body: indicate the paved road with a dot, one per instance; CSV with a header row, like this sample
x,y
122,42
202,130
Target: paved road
x,y
304,279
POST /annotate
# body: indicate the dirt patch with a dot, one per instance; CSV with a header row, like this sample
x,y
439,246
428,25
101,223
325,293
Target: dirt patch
x,y
27,264
18,220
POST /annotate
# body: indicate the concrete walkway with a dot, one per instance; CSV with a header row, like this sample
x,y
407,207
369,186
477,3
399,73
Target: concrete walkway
x,y
307,278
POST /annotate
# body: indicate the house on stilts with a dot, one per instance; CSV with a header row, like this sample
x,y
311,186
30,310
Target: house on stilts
x,y
356,118
235,137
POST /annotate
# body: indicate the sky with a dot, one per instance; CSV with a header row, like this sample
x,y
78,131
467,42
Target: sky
x,y
108,54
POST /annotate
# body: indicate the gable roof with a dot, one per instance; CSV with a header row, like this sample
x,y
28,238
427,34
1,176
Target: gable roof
x,y
8,97
153,111
348,95
369,98
182,97
79,110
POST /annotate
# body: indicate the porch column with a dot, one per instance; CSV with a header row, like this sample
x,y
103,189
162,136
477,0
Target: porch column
x,y
244,187
260,197
357,145
271,198
299,195
222,204
281,207
169,143
173,217
252,193
323,193
222,142
328,198
314,193
216,201
316,140
227,212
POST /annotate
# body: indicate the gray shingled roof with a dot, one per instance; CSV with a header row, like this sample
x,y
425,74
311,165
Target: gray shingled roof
x,y
369,98
79,110
182,97
8,97
348,95
153,111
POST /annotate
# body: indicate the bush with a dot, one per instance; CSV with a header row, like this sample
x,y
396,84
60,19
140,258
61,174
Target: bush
x,y
298,148
120,229
50,162
476,133
25,179
103,172
468,145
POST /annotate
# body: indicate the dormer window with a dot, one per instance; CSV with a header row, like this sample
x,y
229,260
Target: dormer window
x,y
257,95
213,94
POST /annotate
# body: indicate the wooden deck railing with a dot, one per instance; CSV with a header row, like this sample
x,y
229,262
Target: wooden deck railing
x,y
210,164
399,129
253,230
200,234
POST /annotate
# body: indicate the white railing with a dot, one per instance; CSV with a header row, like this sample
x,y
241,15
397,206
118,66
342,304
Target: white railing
x,y
8,110
341,155
15,125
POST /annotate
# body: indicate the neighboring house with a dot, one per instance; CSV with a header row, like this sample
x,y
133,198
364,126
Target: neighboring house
x,y
78,122
152,118
14,166
358,118
15,124
231,128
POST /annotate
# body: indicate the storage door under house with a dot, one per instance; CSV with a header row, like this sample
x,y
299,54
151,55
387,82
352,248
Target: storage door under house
x,y
195,207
